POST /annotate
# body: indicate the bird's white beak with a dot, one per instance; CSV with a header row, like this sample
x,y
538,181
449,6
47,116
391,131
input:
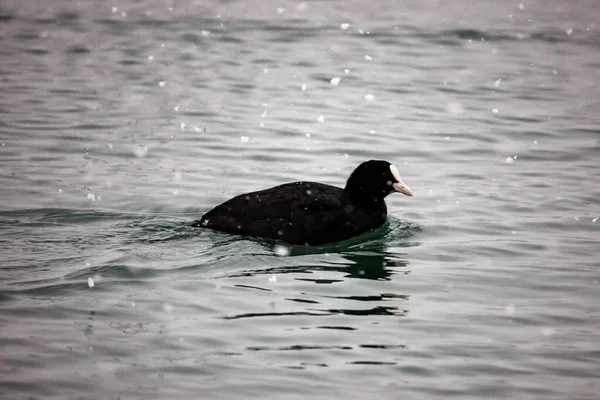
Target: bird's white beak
x,y
399,186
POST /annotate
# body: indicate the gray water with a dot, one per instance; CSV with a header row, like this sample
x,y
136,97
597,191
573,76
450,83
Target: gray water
x,y
121,123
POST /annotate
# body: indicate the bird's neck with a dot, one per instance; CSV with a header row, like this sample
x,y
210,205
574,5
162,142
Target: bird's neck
x,y
364,197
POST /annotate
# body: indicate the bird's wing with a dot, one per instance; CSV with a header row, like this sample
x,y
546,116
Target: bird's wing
x,y
289,202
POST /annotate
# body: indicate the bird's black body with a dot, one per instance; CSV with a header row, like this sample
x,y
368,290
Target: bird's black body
x,y
309,213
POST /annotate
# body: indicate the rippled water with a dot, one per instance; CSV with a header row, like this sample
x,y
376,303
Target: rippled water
x,y
121,123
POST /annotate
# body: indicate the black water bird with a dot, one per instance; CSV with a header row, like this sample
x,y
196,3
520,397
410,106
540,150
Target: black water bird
x,y
310,213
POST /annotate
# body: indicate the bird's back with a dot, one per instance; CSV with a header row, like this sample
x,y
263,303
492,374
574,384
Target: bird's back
x,y
306,213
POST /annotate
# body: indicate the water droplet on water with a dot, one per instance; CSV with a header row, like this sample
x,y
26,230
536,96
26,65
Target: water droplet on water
x,y
510,309
321,118
509,160
368,57
369,97
273,278
454,108
91,282
244,139
303,87
547,331
140,151
345,26
335,81
162,83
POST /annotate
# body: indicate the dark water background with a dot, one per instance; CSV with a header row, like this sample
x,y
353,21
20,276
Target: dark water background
x,y
121,122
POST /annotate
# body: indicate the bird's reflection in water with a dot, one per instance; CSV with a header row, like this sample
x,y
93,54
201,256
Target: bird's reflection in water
x,y
361,264
370,261
368,265
365,257
326,292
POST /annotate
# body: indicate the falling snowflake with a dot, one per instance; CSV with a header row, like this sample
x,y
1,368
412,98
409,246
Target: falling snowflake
x,y
281,251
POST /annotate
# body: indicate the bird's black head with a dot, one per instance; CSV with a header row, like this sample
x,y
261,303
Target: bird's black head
x,y
372,180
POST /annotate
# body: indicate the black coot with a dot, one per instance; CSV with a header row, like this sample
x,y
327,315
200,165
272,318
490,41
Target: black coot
x,y
309,213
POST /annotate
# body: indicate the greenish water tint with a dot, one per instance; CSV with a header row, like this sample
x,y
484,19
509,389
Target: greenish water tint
x,y
121,124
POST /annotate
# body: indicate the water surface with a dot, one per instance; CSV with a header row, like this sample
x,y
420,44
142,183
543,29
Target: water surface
x,y
120,124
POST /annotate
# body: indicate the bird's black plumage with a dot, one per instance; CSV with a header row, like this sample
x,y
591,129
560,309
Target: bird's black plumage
x,y
310,213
